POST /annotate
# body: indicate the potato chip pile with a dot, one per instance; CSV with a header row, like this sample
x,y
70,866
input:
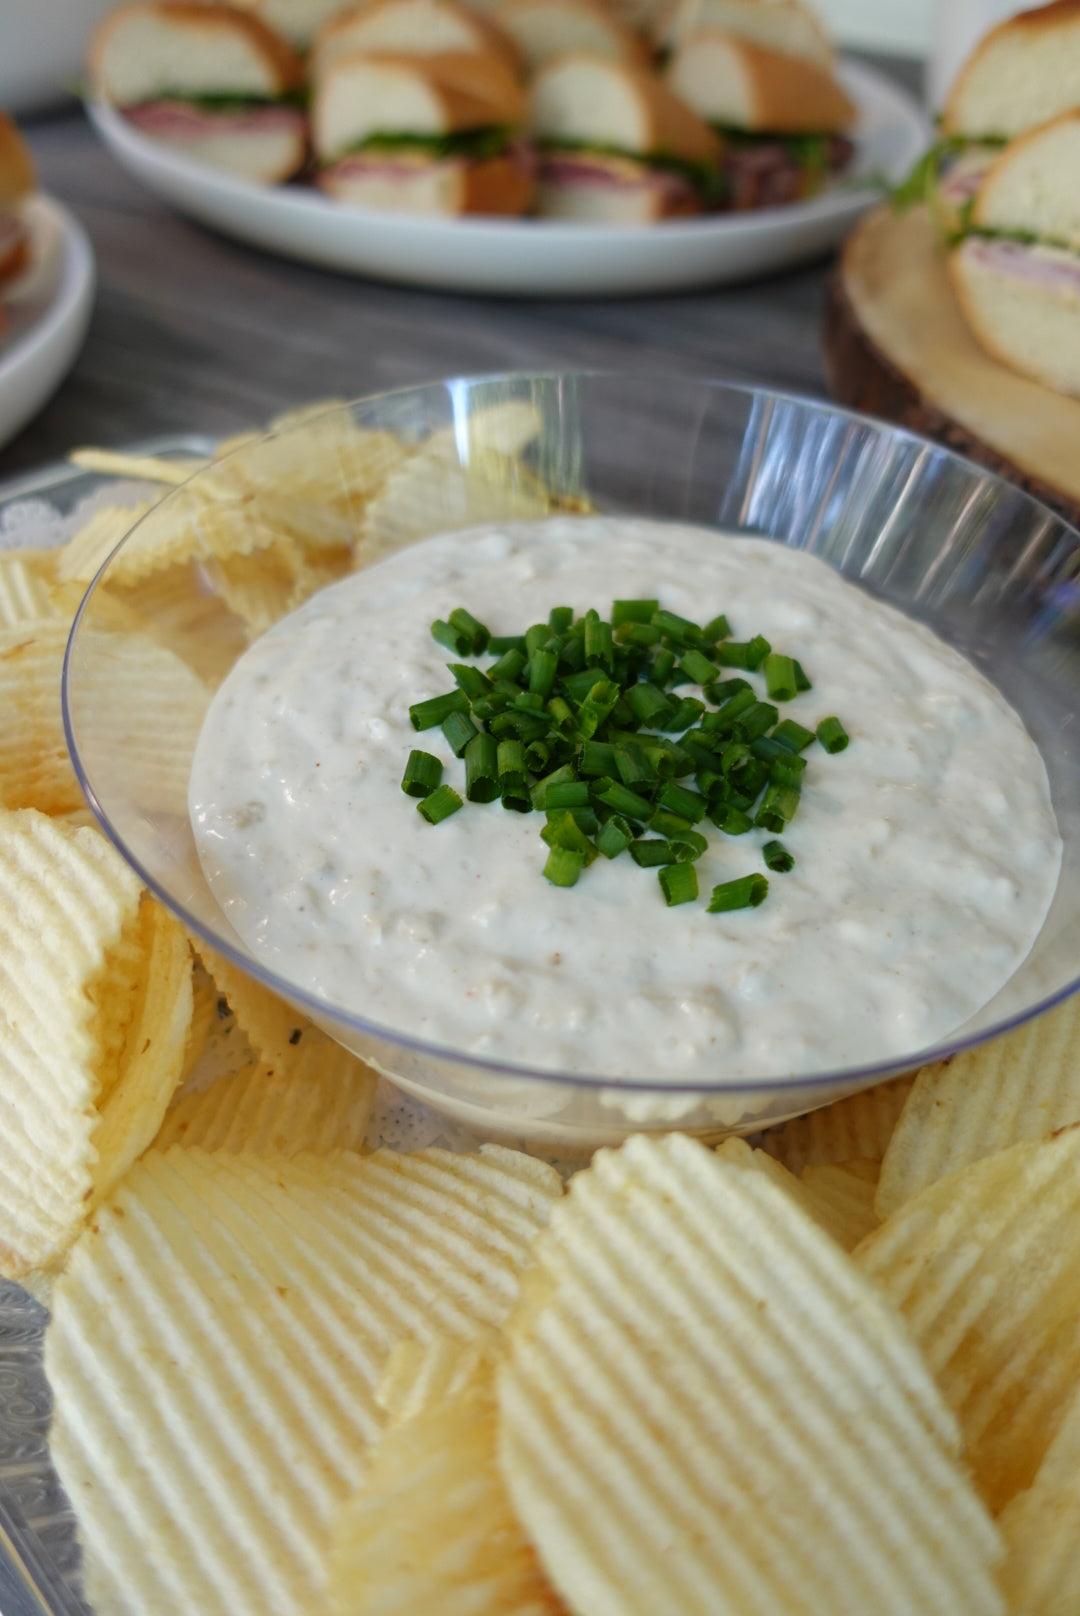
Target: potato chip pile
x,y
834,1375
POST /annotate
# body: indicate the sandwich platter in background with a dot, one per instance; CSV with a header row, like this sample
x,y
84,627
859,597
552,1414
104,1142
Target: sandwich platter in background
x,y
531,257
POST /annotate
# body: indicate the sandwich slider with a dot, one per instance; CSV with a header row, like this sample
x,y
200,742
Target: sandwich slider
x,y
1022,73
412,28
783,118
616,146
423,134
207,80
542,29
779,25
298,21
17,181
1016,269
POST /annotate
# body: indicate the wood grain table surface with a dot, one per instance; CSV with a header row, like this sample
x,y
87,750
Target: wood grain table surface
x,y
195,333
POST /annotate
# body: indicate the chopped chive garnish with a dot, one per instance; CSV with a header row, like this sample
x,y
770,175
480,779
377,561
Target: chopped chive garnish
x,y
778,808
726,717
665,823
686,713
422,774
596,708
537,756
563,866
615,836
597,758
570,794
633,765
676,628
801,681
743,653
542,668
426,714
563,830
536,637
663,667
562,715
746,893
787,771
777,857
474,683
678,883
689,845
599,651
499,644
640,634
651,852
482,769
649,705
717,629
622,799
796,737
446,634
689,804
780,679
459,730
633,611
466,624
560,618
439,805
557,777
697,667
832,735
731,820
509,665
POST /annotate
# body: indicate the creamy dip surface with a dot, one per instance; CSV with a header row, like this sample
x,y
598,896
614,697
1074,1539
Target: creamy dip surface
x,y
927,853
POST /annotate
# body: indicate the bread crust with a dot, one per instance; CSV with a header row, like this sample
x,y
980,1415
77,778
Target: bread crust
x,y
491,39
17,176
632,48
489,185
15,258
1059,13
790,94
472,90
672,127
282,61
985,194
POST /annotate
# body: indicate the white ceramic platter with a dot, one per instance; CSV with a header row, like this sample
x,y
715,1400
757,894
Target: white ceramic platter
x,y
48,311
534,257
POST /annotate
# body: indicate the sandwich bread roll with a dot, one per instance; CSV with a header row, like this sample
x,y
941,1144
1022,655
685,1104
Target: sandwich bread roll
x,y
298,21
17,181
423,134
617,146
412,27
210,81
543,29
779,25
1016,272
1022,73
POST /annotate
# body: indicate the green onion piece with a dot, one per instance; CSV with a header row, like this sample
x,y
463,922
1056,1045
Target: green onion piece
x,y
779,807
751,778
563,866
561,715
651,852
542,669
731,820
560,618
422,774
698,668
832,735
746,893
780,680
439,805
499,644
796,737
613,794
665,823
743,653
640,635
708,781
446,634
689,845
527,701
725,689
486,707
597,758
570,794
563,830
801,681
679,629
689,804
615,836
474,683
679,884
718,628
660,760
663,666
536,637
633,611
596,708
510,758
572,654
734,758
787,771
482,769
578,685
509,666
459,730
466,624
757,719
599,648
525,726
686,713
634,766
767,749
557,777
426,714
777,857
648,704
726,717
586,819
537,756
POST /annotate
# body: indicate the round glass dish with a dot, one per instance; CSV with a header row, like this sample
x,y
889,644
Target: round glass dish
x,y
253,534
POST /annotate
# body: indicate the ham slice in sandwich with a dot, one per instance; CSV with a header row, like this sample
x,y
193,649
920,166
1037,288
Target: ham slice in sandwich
x,y
423,134
212,82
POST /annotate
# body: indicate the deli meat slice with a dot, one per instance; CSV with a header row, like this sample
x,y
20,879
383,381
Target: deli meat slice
x,y
1052,268
181,120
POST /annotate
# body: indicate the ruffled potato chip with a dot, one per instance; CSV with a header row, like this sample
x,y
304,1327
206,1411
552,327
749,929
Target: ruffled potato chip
x,y
858,1127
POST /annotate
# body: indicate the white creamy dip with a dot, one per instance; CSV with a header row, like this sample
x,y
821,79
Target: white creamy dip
x,y
927,853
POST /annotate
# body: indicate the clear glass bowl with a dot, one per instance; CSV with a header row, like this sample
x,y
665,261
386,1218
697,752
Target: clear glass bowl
x,y
990,570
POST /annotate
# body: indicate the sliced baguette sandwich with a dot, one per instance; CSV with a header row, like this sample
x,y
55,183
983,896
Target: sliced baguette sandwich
x,y
779,25
298,21
17,181
1016,269
543,29
1022,73
783,118
616,146
423,134
209,81
412,28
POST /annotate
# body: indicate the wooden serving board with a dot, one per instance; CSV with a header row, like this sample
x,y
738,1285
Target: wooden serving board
x,y
896,345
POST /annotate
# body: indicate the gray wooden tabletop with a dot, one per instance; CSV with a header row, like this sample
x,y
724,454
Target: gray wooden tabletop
x,y
195,333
